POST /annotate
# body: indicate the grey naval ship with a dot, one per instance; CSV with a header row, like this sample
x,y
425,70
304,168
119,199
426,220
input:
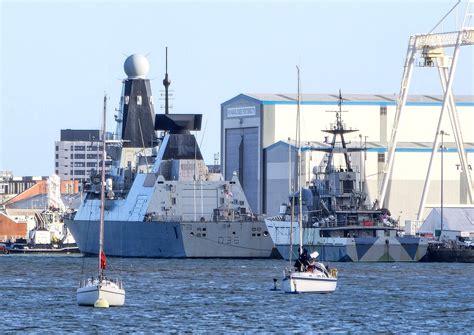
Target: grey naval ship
x,y
338,220
162,201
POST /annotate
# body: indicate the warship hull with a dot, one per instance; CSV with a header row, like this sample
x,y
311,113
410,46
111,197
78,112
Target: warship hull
x,y
349,249
174,239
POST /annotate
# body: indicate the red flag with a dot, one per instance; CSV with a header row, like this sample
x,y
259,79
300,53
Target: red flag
x,y
103,260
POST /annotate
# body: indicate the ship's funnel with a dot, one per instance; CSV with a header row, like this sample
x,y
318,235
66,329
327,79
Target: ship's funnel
x,y
178,123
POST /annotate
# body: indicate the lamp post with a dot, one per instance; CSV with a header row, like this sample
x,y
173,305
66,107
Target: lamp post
x,y
443,133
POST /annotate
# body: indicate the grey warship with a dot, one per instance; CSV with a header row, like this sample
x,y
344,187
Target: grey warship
x,y
338,220
162,201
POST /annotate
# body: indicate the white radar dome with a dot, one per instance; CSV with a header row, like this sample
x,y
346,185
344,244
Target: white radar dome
x,y
136,66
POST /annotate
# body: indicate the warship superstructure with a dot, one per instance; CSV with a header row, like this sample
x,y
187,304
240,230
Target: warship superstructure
x,y
339,221
162,201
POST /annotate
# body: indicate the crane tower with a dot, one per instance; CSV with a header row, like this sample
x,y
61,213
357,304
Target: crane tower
x,y
430,47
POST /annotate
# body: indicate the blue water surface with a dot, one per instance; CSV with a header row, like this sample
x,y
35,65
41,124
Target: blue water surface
x,y
218,295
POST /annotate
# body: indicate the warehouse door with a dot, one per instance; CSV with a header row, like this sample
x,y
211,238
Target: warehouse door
x,y
241,156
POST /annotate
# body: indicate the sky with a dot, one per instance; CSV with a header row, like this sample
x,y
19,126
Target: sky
x,y
57,58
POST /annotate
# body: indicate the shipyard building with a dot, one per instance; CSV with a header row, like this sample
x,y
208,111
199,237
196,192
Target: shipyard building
x,y
258,144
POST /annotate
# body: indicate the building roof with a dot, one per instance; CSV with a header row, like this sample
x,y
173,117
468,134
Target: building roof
x,y
457,219
379,146
80,135
353,99
41,187
40,201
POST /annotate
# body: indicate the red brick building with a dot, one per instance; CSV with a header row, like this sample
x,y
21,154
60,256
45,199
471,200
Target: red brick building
x,y
10,229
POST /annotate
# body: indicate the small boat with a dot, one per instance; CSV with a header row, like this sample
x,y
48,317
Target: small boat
x,y
307,276
314,278
101,291
41,249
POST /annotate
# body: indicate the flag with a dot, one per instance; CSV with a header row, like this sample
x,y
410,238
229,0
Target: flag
x,y
103,260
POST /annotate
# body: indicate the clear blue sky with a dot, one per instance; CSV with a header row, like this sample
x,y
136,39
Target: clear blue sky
x,y
58,58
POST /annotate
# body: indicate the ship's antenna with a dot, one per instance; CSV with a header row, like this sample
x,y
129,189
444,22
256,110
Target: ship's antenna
x,y
339,113
166,84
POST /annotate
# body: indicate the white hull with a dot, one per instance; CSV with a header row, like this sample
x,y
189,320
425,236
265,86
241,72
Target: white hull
x,y
308,282
89,293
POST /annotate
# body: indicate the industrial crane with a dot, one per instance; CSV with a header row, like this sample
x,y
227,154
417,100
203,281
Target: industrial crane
x,y
431,49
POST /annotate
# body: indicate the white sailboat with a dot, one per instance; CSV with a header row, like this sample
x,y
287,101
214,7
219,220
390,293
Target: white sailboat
x,y
101,291
309,276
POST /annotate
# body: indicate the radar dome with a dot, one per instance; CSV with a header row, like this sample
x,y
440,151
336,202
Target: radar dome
x,y
136,66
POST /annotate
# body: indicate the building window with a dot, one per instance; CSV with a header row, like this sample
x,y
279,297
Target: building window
x,y
91,156
127,98
92,148
72,148
79,164
139,100
72,155
91,164
57,156
79,156
57,148
57,164
381,158
80,172
383,110
79,148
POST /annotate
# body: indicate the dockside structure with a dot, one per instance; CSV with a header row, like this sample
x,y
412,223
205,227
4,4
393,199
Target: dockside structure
x,y
254,143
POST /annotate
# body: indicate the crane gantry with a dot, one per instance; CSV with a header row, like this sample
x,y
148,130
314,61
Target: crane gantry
x,y
431,47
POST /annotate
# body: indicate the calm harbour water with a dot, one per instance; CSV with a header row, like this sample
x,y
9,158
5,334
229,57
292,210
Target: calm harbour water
x,y
183,295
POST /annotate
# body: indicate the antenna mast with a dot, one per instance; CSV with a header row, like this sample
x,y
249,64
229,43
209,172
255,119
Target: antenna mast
x,y
166,84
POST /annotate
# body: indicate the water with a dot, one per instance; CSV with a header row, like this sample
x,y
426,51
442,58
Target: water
x,y
37,294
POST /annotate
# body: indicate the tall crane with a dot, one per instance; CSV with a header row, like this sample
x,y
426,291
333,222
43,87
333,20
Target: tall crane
x,y
431,47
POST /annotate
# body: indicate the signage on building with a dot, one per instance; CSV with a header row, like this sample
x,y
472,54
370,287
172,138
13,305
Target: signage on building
x,y
241,111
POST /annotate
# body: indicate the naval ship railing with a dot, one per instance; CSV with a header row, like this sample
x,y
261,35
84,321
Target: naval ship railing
x,y
207,218
378,223
322,169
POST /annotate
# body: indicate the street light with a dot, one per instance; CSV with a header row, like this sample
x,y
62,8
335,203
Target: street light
x,y
443,133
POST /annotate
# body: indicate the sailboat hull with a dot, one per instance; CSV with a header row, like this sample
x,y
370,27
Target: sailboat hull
x,y
109,291
308,282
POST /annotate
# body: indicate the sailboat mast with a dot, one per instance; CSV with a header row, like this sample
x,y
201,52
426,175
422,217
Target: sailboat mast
x,y
102,188
298,139
291,191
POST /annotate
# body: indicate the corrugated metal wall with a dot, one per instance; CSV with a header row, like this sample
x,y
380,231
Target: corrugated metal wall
x,y
241,147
